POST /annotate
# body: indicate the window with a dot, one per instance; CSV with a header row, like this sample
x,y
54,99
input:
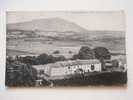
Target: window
x,y
92,67
41,72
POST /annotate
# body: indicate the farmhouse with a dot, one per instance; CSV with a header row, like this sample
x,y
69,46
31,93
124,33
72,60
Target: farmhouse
x,y
70,67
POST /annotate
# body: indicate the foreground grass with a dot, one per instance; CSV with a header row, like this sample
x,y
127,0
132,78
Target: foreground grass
x,y
107,79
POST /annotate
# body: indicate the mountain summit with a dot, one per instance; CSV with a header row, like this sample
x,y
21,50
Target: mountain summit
x,y
49,24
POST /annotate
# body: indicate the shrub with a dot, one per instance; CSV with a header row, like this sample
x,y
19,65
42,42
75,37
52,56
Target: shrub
x,y
102,53
56,52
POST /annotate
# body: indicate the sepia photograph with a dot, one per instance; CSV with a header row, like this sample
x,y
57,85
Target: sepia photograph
x,y
65,48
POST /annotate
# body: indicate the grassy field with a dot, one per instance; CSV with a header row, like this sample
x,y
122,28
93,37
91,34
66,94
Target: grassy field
x,y
106,79
48,45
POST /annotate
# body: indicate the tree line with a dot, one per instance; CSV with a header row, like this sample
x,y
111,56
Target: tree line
x,y
19,72
84,53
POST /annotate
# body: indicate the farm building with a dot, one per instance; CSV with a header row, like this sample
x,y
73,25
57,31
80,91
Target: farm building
x,y
40,70
70,67
115,65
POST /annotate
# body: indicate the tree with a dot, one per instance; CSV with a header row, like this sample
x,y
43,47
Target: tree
x,y
43,59
70,52
56,52
102,53
74,57
20,74
60,58
9,59
28,60
86,53
115,63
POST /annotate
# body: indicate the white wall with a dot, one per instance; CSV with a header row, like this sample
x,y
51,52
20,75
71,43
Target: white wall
x,y
47,70
98,67
58,71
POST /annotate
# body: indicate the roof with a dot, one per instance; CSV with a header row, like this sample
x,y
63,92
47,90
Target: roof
x,y
39,67
67,63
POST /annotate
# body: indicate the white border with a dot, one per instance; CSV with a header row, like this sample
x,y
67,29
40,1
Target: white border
x,y
66,5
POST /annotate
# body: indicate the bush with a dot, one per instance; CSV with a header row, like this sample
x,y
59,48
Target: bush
x,y
70,52
60,58
115,63
102,53
74,57
28,60
56,52
86,53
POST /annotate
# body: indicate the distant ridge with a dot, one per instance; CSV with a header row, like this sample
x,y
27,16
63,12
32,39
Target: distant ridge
x,y
49,24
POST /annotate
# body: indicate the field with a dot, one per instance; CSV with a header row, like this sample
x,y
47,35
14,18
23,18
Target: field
x,y
64,44
100,79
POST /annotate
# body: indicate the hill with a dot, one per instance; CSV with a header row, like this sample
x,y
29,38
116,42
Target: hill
x,y
49,24
51,34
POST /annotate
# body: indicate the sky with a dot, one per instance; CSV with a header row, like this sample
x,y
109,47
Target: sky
x,y
112,20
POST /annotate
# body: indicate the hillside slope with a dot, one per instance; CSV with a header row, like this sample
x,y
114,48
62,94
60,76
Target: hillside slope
x,y
49,24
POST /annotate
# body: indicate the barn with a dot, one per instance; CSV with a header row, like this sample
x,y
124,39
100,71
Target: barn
x,y
70,67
